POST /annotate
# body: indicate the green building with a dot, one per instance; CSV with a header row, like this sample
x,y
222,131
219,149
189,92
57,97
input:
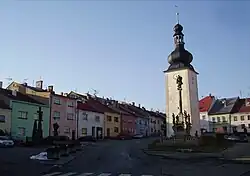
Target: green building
x,y
24,113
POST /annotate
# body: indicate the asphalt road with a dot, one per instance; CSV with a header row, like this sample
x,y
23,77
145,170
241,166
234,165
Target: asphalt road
x,y
110,158
126,158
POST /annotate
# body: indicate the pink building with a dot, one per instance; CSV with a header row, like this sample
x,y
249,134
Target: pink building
x,y
63,113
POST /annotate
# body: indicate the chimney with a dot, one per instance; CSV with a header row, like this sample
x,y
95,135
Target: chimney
x,y
210,95
1,84
133,103
50,88
62,93
143,108
25,84
139,105
247,102
39,84
14,93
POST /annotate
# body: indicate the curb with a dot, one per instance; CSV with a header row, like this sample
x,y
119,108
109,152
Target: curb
x,y
189,158
181,156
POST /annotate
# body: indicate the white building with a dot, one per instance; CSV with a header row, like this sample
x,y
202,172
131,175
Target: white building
x,y
205,105
241,118
90,121
180,65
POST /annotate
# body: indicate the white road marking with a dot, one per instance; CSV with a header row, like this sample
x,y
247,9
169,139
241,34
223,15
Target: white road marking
x,y
146,175
51,174
68,174
104,174
125,175
85,174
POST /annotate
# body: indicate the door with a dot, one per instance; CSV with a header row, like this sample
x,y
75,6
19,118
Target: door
x,y
93,131
73,135
108,132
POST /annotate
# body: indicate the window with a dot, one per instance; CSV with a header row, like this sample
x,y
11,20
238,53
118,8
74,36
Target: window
x,y
56,115
243,126
22,115
21,131
116,119
116,130
248,117
140,122
70,116
67,130
203,117
84,131
235,118
248,125
2,118
97,118
36,116
109,118
224,119
70,104
213,119
242,118
57,101
84,116
218,119
157,122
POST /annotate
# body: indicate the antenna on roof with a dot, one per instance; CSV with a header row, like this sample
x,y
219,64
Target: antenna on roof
x,y
95,92
9,79
177,14
240,93
25,80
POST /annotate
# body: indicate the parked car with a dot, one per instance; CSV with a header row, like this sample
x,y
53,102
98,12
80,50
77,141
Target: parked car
x,y
237,138
6,141
138,136
124,136
87,139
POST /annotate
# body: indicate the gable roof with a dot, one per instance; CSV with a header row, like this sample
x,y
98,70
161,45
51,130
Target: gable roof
x,y
102,108
139,111
126,108
19,96
87,107
206,103
223,106
243,105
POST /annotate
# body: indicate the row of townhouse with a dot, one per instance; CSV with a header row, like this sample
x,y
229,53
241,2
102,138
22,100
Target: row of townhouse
x,y
226,114
76,115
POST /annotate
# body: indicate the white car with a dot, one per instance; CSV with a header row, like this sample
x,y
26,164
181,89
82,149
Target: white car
x,y
5,141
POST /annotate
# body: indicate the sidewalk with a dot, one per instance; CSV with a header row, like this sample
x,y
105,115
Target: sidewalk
x,y
239,153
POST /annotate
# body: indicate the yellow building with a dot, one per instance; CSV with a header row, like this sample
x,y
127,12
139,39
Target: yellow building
x,y
112,119
26,89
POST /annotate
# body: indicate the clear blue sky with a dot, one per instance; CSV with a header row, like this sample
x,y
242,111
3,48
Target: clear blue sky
x,y
121,48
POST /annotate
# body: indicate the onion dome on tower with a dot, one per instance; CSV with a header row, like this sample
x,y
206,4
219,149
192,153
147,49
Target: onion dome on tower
x,y
180,58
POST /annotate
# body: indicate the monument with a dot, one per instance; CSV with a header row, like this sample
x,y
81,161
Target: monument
x,y
181,73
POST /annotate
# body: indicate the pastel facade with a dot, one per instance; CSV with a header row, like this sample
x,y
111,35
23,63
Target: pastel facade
x,y
241,118
24,113
220,114
90,121
155,123
63,112
5,117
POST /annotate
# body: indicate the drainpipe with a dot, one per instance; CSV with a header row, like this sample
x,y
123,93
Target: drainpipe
x,y
50,118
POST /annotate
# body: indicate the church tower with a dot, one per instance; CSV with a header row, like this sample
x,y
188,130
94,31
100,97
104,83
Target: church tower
x,y
180,65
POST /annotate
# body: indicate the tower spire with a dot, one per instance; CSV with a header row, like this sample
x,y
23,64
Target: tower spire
x,y
177,15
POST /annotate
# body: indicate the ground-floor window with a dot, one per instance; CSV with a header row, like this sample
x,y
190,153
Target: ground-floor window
x,y
21,131
84,131
116,130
